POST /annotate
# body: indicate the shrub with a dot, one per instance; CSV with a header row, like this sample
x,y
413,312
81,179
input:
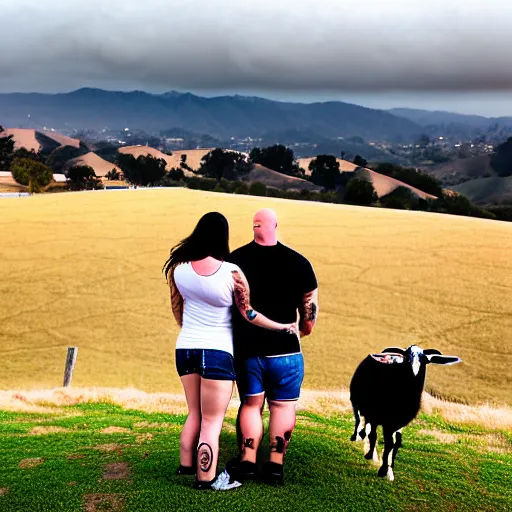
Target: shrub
x,y
360,191
31,173
402,198
257,189
241,188
196,183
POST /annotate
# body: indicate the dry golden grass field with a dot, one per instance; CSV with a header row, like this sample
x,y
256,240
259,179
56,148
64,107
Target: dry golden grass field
x,y
84,269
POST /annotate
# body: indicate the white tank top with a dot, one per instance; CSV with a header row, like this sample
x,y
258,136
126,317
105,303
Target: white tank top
x,y
207,307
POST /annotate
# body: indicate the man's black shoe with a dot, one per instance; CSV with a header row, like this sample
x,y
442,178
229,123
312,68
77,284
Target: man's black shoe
x,y
241,470
273,473
186,470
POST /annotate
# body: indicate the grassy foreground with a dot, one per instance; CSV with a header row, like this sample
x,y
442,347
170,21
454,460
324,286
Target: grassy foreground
x,y
84,269
99,457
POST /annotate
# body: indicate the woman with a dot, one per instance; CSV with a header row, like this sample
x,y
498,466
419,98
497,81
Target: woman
x,y
203,287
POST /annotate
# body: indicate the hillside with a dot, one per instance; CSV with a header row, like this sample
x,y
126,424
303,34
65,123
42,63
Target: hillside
x,y
487,190
172,161
278,180
221,117
85,269
38,140
101,167
473,167
383,184
345,166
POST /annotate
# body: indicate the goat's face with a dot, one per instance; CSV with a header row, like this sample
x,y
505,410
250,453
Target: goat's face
x,y
415,356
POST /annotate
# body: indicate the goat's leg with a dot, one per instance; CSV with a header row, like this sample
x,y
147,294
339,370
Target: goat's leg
x,y
357,421
372,438
396,446
385,469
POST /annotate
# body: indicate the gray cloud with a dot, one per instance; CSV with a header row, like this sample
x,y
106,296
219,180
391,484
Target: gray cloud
x,y
286,45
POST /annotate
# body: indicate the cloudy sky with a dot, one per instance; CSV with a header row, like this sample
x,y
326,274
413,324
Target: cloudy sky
x,y
441,55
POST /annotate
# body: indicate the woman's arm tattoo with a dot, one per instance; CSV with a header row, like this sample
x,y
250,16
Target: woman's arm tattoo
x,y
241,291
177,301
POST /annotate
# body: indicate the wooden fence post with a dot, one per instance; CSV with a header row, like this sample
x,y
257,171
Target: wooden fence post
x,y
70,365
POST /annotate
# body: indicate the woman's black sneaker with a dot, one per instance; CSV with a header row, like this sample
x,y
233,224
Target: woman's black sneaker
x,y
273,473
186,470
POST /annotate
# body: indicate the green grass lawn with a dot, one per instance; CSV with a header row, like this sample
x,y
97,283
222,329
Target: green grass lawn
x,y
101,457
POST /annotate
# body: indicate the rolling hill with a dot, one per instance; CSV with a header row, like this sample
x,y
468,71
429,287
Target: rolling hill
x,y
101,167
85,270
221,117
278,180
39,140
382,184
491,190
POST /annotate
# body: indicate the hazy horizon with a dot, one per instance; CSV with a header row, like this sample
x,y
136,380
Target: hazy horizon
x,y
450,55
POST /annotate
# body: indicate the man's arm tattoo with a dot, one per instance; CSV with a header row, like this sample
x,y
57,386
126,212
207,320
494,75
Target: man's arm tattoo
x,y
309,307
241,291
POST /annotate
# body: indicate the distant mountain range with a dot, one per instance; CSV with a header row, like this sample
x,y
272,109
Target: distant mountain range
x,y
450,123
221,117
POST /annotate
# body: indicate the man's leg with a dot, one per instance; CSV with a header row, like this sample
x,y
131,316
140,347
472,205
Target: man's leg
x,y
284,376
282,423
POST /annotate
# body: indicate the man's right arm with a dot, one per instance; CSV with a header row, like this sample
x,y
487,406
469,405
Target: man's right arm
x,y
308,311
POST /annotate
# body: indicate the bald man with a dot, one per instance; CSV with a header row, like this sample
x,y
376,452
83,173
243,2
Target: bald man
x,y
269,364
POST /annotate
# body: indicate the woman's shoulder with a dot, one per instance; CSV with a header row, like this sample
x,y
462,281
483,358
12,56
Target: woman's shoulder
x,y
180,268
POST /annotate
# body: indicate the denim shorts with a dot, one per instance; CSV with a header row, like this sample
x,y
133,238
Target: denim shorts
x,y
279,378
210,364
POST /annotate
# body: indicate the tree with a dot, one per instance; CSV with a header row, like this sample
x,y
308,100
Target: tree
x,y
360,191
423,140
278,158
82,177
360,161
113,175
325,171
144,170
6,150
32,173
501,160
411,176
176,174
32,155
220,164
402,198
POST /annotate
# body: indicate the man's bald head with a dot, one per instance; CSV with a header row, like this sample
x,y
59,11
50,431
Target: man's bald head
x,y
264,226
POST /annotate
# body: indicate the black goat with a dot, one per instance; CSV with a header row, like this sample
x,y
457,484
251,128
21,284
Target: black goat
x,y
386,390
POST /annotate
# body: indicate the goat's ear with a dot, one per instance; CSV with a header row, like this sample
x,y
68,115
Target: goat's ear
x,y
388,358
431,351
439,359
395,350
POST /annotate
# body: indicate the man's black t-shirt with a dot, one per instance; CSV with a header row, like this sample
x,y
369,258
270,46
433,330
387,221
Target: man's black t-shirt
x,y
278,279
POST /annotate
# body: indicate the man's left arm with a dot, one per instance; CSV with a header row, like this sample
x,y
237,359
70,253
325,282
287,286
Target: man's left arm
x,y
308,312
